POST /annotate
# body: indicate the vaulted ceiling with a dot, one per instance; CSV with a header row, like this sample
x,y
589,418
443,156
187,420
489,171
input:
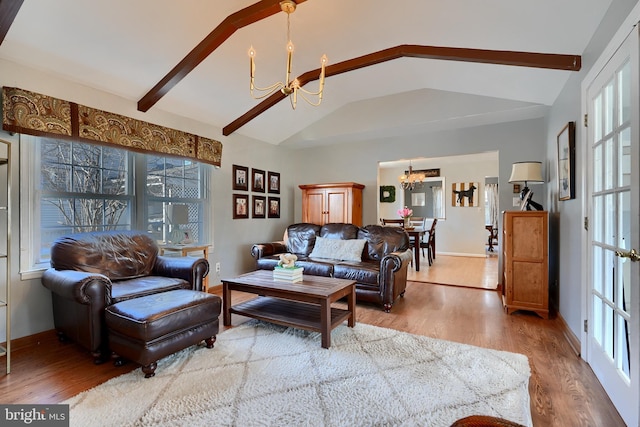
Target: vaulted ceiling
x,y
127,47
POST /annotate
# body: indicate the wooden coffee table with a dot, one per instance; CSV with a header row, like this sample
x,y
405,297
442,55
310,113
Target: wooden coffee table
x,y
304,305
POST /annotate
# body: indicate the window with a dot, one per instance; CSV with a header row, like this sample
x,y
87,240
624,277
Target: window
x,y
173,181
80,187
491,204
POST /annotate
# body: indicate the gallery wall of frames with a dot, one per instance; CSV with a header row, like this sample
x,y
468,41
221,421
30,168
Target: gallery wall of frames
x,y
260,197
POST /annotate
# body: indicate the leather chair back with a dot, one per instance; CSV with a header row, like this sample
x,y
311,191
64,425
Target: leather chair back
x,y
383,240
339,231
301,238
116,254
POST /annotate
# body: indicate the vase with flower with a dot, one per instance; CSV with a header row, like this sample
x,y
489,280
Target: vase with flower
x,y
406,213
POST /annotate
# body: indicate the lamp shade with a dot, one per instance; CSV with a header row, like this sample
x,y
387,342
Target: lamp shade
x,y
178,214
526,172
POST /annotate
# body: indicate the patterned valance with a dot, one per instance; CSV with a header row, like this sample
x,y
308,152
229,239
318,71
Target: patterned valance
x,y
35,114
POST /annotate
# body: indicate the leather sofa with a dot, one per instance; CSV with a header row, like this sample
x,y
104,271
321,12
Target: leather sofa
x,y
91,271
380,272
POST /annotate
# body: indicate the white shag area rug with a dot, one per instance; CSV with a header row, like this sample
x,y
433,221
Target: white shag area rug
x,y
260,374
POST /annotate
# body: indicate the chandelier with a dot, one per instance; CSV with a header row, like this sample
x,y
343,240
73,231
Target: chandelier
x,y
410,180
288,88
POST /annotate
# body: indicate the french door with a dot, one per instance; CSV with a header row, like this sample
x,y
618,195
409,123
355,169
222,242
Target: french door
x,y
613,299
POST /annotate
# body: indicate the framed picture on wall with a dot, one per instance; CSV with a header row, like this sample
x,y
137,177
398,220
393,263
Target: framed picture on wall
x,y
259,207
274,207
567,162
464,194
240,206
257,180
274,182
240,178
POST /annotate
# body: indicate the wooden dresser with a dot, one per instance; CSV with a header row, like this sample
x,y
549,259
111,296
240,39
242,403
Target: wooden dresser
x,y
325,203
525,255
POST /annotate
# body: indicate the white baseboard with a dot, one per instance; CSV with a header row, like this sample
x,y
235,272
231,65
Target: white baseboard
x,y
461,254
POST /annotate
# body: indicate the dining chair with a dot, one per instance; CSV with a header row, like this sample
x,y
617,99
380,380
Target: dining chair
x,y
394,222
430,244
417,221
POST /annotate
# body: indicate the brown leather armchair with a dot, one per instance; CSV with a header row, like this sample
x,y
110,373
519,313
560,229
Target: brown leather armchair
x,y
90,271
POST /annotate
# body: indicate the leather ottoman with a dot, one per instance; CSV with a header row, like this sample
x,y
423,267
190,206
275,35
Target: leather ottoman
x,y
148,328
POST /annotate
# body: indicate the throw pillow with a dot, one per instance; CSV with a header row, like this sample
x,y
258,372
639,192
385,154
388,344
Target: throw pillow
x,y
344,250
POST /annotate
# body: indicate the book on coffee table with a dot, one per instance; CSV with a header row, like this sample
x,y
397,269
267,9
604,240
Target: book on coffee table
x,y
288,274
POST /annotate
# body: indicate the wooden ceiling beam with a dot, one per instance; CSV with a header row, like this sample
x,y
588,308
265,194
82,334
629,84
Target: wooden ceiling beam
x,y
8,11
500,57
551,61
247,16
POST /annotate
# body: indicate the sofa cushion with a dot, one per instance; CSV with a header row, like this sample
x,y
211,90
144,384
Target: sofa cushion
x,y
382,241
300,238
316,267
363,272
343,250
115,254
123,290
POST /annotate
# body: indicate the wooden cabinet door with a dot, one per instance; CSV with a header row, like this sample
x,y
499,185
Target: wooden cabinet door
x,y
528,262
337,205
313,206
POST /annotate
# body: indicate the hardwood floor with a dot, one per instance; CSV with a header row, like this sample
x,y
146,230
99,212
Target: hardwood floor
x,y
563,389
472,272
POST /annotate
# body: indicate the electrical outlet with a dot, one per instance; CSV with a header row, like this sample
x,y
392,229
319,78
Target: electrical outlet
x,y
217,267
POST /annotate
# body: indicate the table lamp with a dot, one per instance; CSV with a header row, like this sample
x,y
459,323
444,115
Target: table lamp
x,y
527,172
177,215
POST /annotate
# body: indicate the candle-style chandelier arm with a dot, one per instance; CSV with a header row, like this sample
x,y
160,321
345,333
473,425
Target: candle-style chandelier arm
x,y
269,90
296,82
309,101
303,93
252,87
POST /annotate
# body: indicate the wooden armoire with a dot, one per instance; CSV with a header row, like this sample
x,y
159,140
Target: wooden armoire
x,y
338,202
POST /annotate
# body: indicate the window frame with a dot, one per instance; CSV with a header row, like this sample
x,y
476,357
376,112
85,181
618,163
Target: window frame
x,y
31,194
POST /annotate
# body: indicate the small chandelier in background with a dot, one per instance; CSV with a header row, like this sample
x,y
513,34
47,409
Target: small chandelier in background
x,y
288,88
410,180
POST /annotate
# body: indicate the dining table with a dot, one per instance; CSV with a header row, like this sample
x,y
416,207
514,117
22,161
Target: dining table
x,y
417,233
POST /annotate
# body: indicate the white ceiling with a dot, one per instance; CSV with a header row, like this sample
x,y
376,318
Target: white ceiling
x,y
125,47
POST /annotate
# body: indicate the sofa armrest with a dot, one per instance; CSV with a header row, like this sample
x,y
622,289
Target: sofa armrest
x,y
394,261
193,270
260,250
82,287
393,276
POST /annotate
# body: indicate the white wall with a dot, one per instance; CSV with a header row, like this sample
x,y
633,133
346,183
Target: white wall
x,y
462,232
